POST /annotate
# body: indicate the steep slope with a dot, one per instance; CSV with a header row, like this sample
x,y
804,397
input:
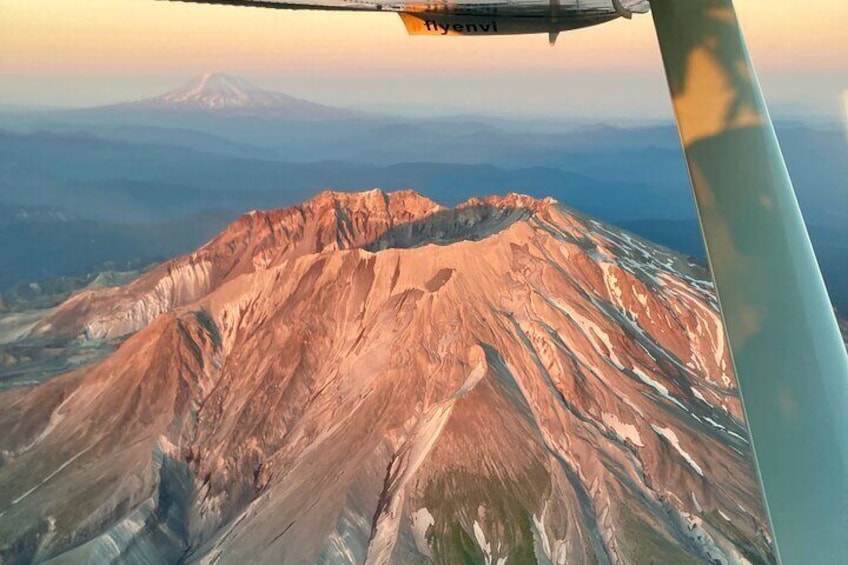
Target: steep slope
x,y
331,220
371,378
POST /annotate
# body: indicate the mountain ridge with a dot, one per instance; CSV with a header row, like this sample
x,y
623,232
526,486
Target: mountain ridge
x,y
371,220
503,382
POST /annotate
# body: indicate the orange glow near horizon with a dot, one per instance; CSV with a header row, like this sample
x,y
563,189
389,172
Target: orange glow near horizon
x,y
55,36
131,39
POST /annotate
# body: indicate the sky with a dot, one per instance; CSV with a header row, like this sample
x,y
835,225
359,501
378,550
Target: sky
x,y
71,53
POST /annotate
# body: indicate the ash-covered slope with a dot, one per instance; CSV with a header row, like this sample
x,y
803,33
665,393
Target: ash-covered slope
x,y
370,378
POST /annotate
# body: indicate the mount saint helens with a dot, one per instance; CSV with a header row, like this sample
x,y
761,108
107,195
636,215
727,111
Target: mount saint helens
x,y
373,378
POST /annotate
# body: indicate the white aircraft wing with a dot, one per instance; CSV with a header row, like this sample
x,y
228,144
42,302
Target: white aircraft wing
x,y
471,17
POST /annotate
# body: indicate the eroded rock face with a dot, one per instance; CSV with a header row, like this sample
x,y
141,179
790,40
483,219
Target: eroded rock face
x,y
370,378
258,240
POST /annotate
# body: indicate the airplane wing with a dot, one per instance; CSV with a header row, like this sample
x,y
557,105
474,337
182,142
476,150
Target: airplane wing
x,y
488,7
471,17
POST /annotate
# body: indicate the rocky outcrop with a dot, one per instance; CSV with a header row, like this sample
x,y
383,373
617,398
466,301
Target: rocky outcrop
x,y
371,378
331,220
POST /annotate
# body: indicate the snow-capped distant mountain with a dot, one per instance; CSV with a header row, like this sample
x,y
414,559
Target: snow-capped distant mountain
x,y
227,94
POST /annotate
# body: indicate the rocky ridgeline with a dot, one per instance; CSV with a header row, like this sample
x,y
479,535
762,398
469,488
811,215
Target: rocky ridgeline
x,y
373,378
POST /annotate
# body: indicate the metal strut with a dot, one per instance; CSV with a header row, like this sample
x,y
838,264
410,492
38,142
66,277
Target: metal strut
x,y
786,346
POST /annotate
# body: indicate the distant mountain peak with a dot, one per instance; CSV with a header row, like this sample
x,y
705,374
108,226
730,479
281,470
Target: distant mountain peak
x,y
227,94
215,90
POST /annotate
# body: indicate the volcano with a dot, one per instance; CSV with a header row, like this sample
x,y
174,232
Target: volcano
x,y
374,378
228,95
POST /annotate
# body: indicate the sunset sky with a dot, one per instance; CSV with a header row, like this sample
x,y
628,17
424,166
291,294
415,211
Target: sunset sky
x,y
66,53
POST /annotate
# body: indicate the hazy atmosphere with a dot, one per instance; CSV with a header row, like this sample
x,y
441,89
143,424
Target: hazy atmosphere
x,y
288,287
54,52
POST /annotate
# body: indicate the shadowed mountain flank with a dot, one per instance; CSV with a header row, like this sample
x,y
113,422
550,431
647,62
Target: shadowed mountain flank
x,y
472,221
373,378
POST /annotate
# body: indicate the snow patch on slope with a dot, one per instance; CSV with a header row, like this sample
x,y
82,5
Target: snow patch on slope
x,y
409,458
671,437
659,387
421,520
486,546
622,430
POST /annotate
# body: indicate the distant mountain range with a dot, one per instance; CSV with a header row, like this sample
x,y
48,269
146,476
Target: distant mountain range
x,y
127,175
227,95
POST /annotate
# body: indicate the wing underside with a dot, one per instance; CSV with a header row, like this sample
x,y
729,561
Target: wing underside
x,y
575,9
471,17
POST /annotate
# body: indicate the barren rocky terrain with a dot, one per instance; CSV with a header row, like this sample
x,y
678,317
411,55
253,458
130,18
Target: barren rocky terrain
x,y
373,378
